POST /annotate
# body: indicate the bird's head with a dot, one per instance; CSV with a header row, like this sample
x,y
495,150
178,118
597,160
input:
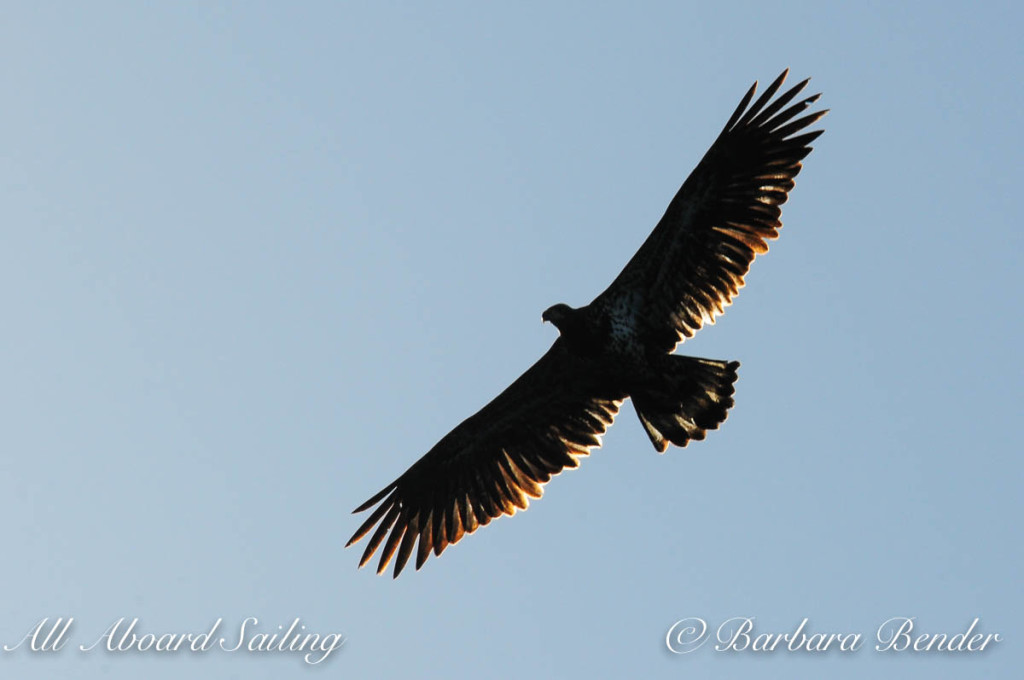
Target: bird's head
x,y
557,314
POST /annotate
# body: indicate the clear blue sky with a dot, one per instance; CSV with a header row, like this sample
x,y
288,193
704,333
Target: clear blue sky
x,y
259,257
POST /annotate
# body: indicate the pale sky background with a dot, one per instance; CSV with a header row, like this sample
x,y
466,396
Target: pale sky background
x,y
259,257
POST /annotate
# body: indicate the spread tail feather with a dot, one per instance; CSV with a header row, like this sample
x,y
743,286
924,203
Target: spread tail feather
x,y
686,397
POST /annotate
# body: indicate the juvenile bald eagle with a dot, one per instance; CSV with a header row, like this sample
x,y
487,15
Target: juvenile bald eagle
x,y
617,347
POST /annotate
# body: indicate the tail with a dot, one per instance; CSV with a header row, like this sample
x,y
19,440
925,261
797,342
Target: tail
x,y
685,397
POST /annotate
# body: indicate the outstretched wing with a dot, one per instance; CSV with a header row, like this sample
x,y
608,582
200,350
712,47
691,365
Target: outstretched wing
x,y
693,263
494,461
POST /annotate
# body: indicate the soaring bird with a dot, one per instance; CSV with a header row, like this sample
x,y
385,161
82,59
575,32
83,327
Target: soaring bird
x,y
619,346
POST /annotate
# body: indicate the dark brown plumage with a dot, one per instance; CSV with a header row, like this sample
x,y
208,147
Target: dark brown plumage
x,y
617,347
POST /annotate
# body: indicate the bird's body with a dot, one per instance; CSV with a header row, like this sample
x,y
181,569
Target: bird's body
x,y
617,347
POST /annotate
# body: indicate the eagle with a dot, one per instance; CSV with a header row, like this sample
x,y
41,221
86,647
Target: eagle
x,y
620,346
